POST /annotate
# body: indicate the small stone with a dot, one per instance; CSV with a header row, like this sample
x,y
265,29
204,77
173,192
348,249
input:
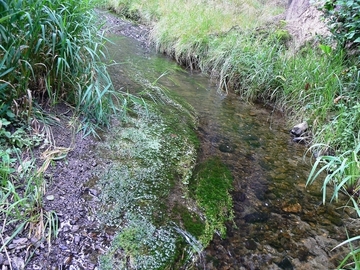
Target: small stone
x,y
93,192
226,148
50,197
299,129
76,239
75,228
20,241
292,208
250,244
11,246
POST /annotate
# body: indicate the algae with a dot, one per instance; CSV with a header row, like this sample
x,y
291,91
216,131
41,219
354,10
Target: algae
x,y
211,187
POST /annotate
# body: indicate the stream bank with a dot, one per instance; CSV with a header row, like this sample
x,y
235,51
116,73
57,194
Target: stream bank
x,y
82,239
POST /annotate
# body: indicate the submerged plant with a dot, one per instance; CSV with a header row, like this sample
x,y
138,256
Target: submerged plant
x,y
212,185
144,245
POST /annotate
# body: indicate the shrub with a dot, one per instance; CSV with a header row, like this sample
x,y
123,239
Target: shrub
x,y
344,20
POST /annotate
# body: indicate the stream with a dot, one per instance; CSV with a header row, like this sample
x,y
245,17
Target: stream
x,y
279,223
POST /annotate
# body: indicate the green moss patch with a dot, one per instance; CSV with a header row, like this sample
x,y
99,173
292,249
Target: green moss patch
x,y
151,160
213,182
192,222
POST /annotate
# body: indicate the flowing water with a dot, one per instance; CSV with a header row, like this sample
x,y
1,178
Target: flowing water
x,y
279,224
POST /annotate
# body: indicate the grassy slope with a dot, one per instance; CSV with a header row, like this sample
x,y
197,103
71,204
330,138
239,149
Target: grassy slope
x,y
236,41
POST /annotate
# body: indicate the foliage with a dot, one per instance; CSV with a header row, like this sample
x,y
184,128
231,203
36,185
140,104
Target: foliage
x,y
5,167
344,20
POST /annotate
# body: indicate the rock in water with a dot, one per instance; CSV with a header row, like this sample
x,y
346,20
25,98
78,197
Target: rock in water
x,y
299,129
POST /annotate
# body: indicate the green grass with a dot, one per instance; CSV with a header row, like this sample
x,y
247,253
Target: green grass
x,y
343,173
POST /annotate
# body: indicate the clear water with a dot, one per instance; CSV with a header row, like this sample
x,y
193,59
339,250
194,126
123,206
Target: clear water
x,y
279,224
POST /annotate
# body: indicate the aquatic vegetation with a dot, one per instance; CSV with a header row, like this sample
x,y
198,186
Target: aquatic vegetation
x,y
151,157
212,184
144,245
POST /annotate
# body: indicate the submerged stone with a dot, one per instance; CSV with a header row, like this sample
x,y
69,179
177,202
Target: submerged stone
x,y
226,148
250,244
256,217
286,264
292,208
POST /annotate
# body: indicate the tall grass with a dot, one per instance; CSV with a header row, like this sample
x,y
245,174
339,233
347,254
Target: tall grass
x,y
53,51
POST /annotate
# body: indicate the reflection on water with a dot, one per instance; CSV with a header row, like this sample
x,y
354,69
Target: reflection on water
x,y
278,223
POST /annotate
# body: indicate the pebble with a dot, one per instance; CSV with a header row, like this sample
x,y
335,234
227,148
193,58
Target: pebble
x,y
50,197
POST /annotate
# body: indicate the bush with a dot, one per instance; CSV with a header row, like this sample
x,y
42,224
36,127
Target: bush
x,y
344,20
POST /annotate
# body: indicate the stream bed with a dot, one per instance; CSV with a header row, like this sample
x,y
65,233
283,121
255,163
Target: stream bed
x,y
279,223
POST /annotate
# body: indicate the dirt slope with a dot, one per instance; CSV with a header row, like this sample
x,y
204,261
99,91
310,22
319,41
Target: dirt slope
x,y
304,22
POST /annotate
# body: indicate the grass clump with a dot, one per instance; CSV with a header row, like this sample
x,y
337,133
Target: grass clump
x,y
343,174
52,51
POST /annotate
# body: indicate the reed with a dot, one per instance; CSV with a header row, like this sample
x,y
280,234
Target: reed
x,y
53,49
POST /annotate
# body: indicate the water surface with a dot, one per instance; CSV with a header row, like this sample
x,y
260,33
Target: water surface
x,y
279,224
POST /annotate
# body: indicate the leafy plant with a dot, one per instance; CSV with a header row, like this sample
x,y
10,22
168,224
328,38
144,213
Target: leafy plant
x,y
6,167
344,20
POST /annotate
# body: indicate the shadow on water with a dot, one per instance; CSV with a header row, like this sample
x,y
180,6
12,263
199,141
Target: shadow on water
x,y
278,223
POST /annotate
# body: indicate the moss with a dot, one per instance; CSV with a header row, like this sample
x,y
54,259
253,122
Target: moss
x,y
211,187
191,221
152,159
